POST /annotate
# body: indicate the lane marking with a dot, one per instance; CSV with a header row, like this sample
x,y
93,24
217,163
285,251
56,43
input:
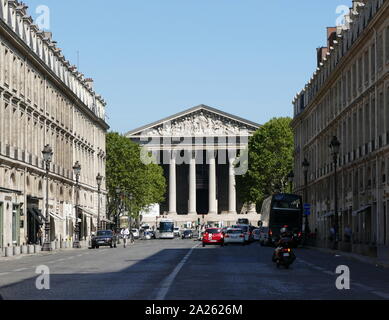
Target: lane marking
x,y
21,269
167,283
4,274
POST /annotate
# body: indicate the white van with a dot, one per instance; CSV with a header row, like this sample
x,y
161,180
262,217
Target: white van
x,y
177,232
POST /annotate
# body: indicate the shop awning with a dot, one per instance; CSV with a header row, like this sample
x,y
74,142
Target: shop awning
x,y
365,208
107,221
56,216
87,212
36,216
39,213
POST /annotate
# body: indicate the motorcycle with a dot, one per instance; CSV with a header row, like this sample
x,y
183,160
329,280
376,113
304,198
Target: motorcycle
x,y
284,256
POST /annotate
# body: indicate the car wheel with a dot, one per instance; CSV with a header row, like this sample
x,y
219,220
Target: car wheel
x,y
97,247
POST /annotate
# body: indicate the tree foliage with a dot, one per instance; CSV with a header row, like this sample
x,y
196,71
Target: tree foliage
x,y
270,160
125,170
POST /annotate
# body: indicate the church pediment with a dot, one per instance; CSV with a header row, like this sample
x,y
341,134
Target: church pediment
x,y
199,121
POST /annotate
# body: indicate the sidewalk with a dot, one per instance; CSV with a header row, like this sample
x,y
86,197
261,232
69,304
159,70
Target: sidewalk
x,y
20,255
40,254
354,256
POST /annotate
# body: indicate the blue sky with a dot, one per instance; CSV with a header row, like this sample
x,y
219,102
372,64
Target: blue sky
x,y
153,58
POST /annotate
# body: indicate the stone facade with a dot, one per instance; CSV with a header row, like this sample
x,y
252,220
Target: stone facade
x,y
198,150
348,97
44,100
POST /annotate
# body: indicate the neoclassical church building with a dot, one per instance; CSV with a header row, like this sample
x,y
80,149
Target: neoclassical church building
x,y
201,152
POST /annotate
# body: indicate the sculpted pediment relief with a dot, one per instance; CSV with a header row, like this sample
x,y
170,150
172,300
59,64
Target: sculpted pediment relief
x,y
201,123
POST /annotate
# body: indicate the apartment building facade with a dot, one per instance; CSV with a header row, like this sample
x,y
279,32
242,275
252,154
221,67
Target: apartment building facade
x,y
44,100
348,97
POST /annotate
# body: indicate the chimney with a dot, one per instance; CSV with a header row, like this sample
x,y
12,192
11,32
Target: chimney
x,y
331,36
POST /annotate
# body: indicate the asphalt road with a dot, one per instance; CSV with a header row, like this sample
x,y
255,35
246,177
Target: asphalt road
x,y
183,270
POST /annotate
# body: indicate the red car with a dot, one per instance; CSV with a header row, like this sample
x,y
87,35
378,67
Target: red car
x,y
213,236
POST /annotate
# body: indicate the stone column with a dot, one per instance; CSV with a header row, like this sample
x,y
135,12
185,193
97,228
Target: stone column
x,y
231,188
172,185
212,183
192,186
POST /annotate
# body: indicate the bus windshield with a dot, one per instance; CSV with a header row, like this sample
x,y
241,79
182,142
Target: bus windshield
x,y
166,227
286,202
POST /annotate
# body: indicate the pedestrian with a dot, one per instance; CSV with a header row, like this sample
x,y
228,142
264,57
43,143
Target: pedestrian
x,y
125,233
39,236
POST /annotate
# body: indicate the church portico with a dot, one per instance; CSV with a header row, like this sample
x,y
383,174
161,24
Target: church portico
x,y
200,152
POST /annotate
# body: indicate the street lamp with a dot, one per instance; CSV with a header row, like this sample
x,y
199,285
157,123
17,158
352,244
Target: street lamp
x,y
306,166
118,192
130,197
77,172
47,157
291,179
335,148
99,180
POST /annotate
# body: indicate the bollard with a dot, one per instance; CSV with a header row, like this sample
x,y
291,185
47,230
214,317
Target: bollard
x,y
16,251
31,249
9,251
24,250
37,248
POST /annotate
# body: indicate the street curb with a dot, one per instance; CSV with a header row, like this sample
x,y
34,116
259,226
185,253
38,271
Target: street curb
x,y
40,254
353,256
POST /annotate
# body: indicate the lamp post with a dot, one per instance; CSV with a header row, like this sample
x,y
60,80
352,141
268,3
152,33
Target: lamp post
x,y
99,180
306,166
77,172
335,148
291,179
130,197
118,194
47,157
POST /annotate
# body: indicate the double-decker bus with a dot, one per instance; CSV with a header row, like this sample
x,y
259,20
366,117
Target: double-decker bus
x,y
281,210
165,229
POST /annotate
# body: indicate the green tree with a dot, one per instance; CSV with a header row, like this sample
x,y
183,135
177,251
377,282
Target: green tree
x,y
269,161
125,170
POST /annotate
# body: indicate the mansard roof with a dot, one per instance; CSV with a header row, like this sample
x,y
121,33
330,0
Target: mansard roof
x,y
250,125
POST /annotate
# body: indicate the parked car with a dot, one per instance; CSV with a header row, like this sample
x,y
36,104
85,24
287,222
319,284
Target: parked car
x,y
234,236
135,233
104,239
177,232
187,234
213,236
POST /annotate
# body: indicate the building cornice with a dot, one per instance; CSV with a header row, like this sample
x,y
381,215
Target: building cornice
x,y
339,68
27,52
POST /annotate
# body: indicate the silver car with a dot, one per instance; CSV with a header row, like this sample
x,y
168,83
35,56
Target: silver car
x,y
234,236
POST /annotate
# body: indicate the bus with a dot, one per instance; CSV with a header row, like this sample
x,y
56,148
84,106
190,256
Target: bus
x,y
165,229
278,211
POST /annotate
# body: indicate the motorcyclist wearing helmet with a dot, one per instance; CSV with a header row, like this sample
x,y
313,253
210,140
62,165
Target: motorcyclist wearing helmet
x,y
284,242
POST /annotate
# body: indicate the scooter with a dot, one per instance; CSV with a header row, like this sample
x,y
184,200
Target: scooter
x,y
284,257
